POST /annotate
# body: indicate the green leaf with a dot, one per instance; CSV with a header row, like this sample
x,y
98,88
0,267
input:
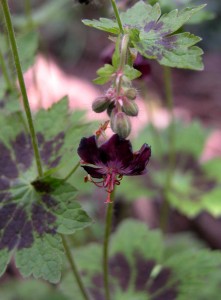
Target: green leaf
x,y
33,211
140,268
103,24
43,259
105,74
4,260
157,40
121,241
27,47
22,289
195,187
153,35
167,6
213,168
192,195
131,73
140,14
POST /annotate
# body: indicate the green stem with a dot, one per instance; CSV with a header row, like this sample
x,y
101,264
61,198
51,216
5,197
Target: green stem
x,y
123,61
165,209
108,223
5,72
72,171
14,48
123,54
117,15
74,269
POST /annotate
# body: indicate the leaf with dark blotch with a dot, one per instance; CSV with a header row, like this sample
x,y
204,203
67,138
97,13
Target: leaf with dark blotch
x,y
37,215
157,40
152,34
34,211
136,271
120,269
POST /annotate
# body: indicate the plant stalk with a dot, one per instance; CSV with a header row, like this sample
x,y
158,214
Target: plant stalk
x,y
72,171
74,269
117,15
165,209
108,224
123,61
15,54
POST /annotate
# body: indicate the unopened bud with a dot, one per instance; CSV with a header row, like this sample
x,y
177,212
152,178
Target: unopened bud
x,y
100,104
130,108
110,108
120,123
131,93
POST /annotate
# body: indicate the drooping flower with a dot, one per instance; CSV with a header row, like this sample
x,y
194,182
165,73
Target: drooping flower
x,y
112,160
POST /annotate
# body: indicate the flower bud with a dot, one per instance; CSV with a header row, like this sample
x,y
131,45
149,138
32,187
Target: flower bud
x,y
100,104
130,108
131,93
120,123
110,108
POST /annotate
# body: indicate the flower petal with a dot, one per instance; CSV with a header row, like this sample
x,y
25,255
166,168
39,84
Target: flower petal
x,y
139,162
94,172
88,150
116,150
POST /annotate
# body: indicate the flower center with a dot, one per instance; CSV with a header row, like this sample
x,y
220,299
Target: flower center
x,y
110,179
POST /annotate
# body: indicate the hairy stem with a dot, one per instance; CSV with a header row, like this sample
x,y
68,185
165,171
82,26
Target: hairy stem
x,y
164,214
117,15
108,223
123,61
74,269
14,48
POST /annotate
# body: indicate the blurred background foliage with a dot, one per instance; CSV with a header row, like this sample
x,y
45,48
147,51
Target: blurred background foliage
x,y
193,190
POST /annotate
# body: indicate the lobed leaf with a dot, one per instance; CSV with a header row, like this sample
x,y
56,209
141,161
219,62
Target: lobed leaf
x,y
157,40
154,35
105,74
140,268
34,211
131,73
103,24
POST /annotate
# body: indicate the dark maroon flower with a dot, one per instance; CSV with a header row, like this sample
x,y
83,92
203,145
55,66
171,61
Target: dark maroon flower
x,y
112,160
143,65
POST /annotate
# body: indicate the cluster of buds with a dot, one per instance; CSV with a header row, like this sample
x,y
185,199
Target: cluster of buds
x,y
120,105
